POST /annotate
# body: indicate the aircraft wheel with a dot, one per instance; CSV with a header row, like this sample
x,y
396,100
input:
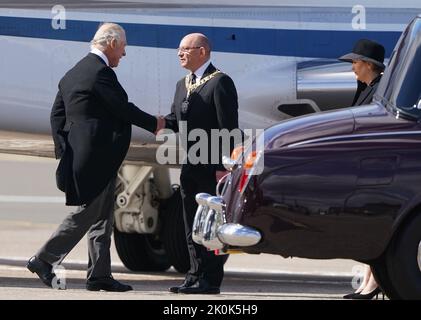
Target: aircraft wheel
x,y
141,252
173,233
403,259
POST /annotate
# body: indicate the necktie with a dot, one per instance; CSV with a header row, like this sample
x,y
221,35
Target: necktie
x,y
193,79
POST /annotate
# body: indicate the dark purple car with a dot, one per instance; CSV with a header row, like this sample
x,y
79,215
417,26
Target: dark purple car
x,y
342,184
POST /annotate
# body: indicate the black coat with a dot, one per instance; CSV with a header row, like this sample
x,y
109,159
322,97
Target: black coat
x,y
213,105
91,126
365,93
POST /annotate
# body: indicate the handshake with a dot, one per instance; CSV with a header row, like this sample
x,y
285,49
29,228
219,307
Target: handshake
x,y
160,124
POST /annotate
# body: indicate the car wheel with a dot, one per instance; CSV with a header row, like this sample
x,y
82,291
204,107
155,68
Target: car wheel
x,y
403,259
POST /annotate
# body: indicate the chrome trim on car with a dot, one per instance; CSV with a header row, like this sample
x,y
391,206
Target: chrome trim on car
x,y
214,219
211,229
212,223
354,136
216,203
235,234
229,163
200,216
224,183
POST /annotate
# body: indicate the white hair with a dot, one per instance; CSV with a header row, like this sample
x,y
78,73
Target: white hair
x,y
105,34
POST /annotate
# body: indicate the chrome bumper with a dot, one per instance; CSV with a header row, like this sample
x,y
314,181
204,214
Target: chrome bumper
x,y
211,230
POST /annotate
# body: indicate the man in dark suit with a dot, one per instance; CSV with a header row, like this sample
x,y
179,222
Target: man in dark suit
x,y
91,123
206,99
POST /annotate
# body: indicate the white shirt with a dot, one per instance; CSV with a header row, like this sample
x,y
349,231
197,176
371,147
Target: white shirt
x,y
100,54
199,72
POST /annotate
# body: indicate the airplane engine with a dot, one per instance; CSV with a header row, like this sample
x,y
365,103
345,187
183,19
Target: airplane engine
x,y
286,90
321,86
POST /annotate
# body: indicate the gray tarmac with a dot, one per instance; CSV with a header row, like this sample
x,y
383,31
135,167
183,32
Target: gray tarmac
x,y
31,208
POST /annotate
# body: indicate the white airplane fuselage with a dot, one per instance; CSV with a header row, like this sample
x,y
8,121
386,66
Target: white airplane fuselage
x,y
259,46
282,56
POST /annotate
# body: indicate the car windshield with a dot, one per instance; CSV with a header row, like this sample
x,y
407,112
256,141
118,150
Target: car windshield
x,y
400,87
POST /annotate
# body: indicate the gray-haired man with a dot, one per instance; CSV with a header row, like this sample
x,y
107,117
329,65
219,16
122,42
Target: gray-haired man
x,y
91,123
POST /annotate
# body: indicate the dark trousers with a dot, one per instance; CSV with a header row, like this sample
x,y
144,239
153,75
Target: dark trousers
x,y
204,264
96,219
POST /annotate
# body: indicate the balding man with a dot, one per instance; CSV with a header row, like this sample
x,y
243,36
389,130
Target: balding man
x,y
91,123
205,99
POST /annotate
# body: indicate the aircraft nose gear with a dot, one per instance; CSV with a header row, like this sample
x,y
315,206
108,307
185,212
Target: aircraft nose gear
x,y
122,200
136,203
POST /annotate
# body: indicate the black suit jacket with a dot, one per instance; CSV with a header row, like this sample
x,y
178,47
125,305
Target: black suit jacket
x,y
213,105
91,126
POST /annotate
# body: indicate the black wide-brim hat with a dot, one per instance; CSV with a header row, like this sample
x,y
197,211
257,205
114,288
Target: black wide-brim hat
x,y
366,50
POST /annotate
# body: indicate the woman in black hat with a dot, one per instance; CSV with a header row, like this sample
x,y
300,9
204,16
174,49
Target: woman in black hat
x,y
367,63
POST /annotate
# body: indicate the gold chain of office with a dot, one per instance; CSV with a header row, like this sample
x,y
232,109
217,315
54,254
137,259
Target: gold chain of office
x,y
191,87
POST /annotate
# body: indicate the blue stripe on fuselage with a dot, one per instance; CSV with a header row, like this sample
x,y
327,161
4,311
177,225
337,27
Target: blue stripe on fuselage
x,y
279,42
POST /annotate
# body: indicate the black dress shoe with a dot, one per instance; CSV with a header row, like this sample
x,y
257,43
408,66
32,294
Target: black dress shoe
x,y
200,287
42,269
185,284
107,284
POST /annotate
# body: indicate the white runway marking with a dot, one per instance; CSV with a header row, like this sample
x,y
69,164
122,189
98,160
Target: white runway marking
x,y
30,199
